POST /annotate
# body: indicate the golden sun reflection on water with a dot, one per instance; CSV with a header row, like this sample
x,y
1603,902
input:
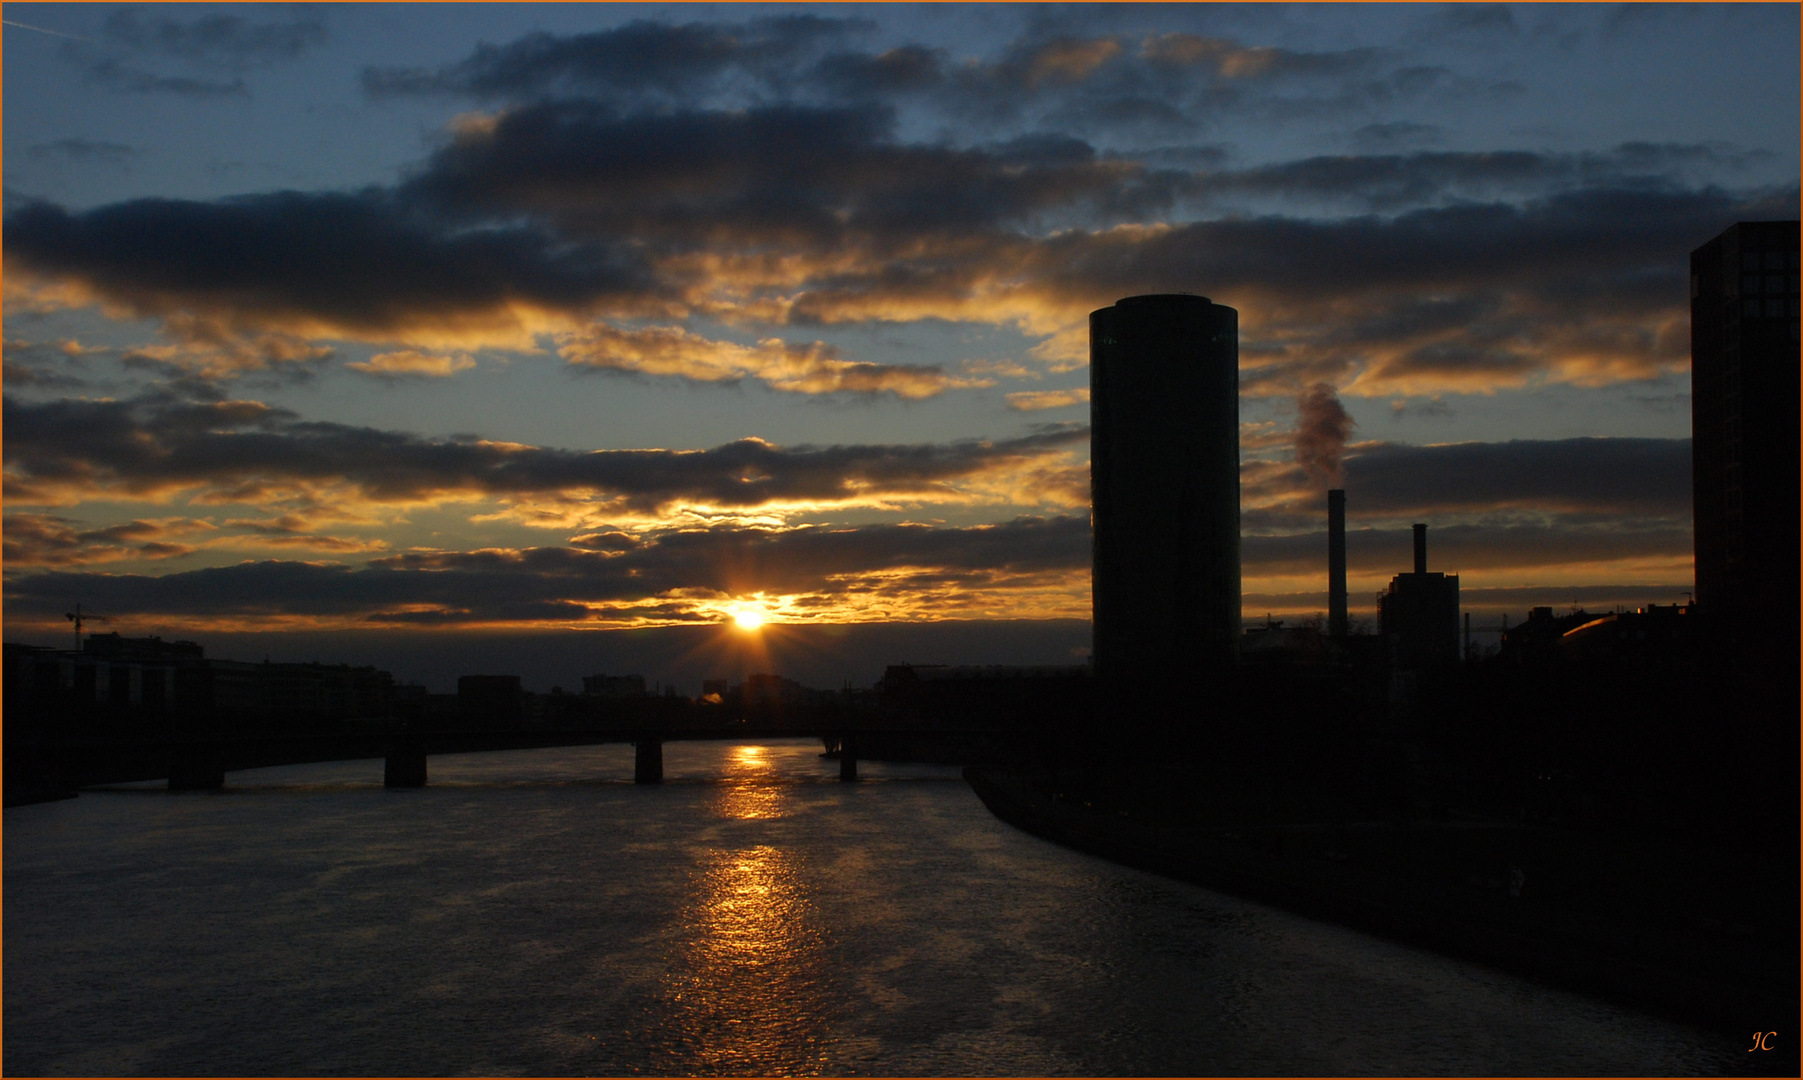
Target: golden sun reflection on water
x,y
750,987
748,788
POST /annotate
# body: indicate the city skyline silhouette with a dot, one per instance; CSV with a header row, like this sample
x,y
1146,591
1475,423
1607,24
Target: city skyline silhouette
x,y
406,387
599,540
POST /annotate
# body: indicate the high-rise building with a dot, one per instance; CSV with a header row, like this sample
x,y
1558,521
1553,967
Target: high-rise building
x,y
1744,392
1165,504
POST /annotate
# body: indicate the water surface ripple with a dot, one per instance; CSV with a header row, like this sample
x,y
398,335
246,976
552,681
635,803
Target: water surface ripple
x,y
537,913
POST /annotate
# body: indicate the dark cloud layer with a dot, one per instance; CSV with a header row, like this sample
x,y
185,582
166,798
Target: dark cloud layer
x,y
135,50
675,62
917,569
45,365
47,540
1489,548
1379,181
1057,75
741,561
1619,477
537,584
85,150
807,177
230,41
1396,133
161,443
604,198
1515,290
126,78
1585,287
246,450
580,199
1582,245
1579,482
350,262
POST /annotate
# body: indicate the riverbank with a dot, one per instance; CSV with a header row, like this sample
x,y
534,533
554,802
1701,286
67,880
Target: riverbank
x,y
30,779
1732,976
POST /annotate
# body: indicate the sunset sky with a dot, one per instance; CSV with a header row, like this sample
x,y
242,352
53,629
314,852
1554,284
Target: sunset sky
x,y
474,317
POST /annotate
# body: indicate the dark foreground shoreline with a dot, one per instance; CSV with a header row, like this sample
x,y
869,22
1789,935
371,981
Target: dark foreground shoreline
x,y
1732,986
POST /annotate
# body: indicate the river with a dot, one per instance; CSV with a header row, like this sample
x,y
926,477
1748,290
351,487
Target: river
x,y
537,913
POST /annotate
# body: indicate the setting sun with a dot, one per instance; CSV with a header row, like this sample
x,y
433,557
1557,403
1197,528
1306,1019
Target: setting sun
x,y
750,618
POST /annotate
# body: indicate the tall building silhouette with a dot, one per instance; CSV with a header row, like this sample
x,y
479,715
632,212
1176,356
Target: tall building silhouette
x,y
1744,392
1165,503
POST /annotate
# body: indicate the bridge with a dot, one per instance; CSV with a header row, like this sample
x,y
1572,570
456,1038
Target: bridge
x,y
203,763
198,758
62,733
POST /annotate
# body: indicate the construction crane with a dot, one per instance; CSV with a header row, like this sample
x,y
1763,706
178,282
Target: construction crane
x,y
78,617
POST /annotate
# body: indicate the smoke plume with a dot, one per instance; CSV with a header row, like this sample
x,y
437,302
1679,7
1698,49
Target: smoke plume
x,y
1322,426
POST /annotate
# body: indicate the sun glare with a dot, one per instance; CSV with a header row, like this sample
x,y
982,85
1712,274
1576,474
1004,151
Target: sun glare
x,y
750,618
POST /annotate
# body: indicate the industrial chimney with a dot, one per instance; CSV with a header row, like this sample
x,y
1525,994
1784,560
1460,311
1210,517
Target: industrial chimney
x,y
1420,549
1336,563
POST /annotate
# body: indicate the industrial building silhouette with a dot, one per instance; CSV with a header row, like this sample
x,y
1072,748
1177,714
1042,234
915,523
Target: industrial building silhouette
x,y
1419,614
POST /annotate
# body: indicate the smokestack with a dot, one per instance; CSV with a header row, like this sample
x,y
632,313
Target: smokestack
x,y
1336,563
1420,549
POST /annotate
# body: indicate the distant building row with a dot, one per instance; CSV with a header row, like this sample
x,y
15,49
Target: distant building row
x,y
151,677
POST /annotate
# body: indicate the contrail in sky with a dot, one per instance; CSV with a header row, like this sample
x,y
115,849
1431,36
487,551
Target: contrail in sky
x,y
41,30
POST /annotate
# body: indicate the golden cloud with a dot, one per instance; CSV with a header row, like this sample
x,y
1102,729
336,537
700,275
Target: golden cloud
x,y
410,362
808,369
1032,400
1070,61
47,540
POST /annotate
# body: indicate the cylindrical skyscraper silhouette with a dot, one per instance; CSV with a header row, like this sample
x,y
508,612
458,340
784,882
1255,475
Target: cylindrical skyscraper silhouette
x,y
1165,505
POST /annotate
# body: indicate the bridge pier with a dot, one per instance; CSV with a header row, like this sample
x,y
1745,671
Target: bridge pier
x,y
404,770
648,760
848,759
196,768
